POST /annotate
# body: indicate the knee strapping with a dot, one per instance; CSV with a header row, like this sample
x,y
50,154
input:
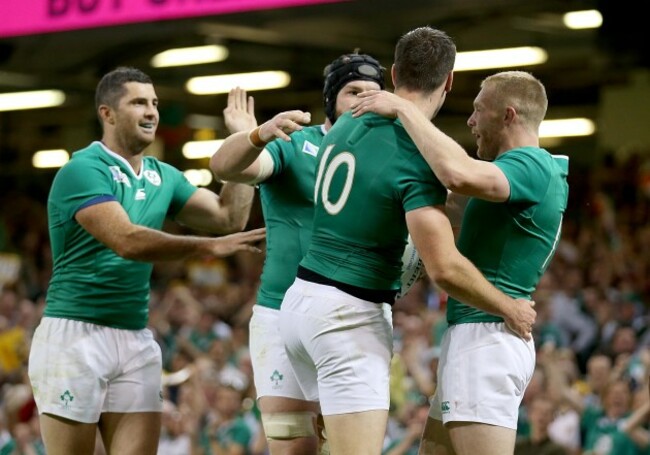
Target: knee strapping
x,y
289,425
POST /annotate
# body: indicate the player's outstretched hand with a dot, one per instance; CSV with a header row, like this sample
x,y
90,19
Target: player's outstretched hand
x,y
241,241
239,113
521,318
378,101
283,124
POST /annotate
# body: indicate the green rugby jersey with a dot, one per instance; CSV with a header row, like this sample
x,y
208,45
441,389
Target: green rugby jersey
x,y
512,242
287,199
90,282
369,175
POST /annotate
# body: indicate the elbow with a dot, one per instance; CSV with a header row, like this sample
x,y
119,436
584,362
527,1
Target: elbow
x,y
225,176
217,169
444,280
233,222
454,181
129,251
442,275
130,247
221,174
239,224
221,167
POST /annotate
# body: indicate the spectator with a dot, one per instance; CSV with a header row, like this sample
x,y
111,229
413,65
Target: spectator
x,y
538,443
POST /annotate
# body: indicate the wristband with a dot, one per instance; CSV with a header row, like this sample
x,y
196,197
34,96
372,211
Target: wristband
x,y
255,140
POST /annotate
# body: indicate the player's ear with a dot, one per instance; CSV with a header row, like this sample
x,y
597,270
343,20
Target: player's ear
x,y
106,114
509,115
449,82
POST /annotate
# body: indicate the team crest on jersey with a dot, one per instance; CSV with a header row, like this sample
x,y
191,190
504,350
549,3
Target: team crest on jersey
x,y
153,177
310,148
119,176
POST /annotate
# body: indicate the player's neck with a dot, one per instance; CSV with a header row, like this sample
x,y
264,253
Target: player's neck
x,y
427,103
132,157
517,140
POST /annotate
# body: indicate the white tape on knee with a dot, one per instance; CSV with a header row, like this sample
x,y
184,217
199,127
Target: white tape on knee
x,y
289,425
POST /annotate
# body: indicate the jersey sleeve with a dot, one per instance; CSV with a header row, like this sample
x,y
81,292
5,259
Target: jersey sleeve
x,y
420,187
281,152
527,175
78,184
183,189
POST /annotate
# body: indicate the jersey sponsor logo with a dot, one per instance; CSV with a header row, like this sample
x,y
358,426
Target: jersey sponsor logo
x,y
445,407
277,378
153,177
119,176
310,148
140,195
66,399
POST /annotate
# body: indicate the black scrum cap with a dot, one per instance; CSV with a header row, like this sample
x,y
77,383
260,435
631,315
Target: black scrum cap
x,y
346,68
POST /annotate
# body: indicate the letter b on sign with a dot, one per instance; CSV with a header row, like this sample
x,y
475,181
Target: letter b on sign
x,y
56,8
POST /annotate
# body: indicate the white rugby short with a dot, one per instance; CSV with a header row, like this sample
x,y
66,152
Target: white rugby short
x,y
483,371
339,346
272,370
79,370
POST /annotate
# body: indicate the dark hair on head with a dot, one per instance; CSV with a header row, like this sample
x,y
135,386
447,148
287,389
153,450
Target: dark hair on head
x,y
111,87
423,59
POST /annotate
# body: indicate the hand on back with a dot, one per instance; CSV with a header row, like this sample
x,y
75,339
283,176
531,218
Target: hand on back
x,y
378,101
283,124
241,241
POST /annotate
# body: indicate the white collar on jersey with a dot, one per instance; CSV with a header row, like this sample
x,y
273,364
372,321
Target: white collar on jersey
x,y
121,158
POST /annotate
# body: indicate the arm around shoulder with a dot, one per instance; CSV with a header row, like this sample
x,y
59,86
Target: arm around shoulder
x,y
479,179
448,160
452,165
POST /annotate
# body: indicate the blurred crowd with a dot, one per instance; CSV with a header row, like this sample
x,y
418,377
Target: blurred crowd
x,y
589,394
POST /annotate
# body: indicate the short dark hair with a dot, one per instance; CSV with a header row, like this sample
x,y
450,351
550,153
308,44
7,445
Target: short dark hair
x,y
423,59
111,87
